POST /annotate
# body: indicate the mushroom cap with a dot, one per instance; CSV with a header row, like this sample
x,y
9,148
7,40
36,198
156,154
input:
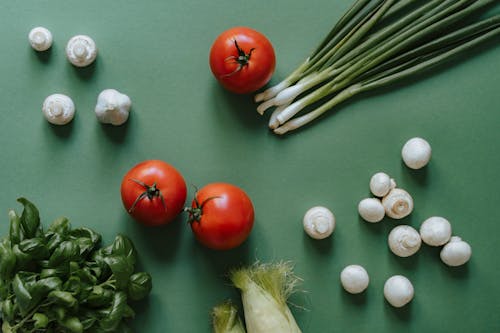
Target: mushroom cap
x,y
112,107
398,291
416,153
456,252
319,222
81,50
58,109
398,203
381,184
371,210
354,279
404,241
40,38
435,231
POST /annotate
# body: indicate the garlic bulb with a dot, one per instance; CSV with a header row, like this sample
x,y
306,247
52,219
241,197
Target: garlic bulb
x,y
81,50
381,184
404,241
456,252
319,222
40,39
354,279
416,153
398,203
371,210
398,291
58,109
112,107
435,231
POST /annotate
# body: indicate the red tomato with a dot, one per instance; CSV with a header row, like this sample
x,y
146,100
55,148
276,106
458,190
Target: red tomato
x,y
242,60
153,192
221,216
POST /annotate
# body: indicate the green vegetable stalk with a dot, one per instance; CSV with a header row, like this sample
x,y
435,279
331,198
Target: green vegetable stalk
x,y
61,280
265,289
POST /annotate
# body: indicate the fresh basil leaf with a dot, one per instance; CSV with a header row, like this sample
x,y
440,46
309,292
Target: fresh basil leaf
x,y
86,233
7,260
100,297
8,310
129,312
115,314
87,320
122,270
30,218
23,298
53,240
72,325
61,226
35,247
63,298
66,251
123,246
15,227
40,320
140,285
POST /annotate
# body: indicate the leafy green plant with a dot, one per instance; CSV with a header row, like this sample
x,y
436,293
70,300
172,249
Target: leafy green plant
x,y
62,281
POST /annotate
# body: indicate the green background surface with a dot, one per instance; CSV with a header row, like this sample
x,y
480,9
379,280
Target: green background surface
x,y
156,52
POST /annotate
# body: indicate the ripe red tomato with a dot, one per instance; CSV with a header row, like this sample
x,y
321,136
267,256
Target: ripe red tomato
x,y
221,216
153,192
242,60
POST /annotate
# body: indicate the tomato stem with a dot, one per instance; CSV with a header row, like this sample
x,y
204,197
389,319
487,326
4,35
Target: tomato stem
x,y
150,192
242,59
196,212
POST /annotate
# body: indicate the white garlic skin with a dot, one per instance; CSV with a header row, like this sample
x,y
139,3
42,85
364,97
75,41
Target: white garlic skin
x,y
40,39
435,231
354,279
398,291
456,252
81,50
398,203
416,153
58,109
404,241
112,107
381,184
319,222
371,210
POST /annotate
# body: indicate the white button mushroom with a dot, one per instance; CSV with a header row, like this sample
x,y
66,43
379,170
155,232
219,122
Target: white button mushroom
x,y
398,291
371,210
416,153
381,184
319,222
404,241
40,38
354,279
456,252
81,50
58,109
435,231
398,203
112,107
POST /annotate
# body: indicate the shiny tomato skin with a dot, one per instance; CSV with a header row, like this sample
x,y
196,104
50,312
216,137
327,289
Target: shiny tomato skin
x,y
259,68
154,211
227,216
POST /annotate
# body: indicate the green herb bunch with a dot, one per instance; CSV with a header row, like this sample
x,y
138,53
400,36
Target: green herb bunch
x,y
62,280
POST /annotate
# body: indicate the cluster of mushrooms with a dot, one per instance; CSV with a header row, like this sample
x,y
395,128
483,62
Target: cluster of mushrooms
x,y
112,106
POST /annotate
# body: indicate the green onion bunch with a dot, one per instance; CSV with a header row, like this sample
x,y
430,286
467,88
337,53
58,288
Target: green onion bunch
x,y
375,43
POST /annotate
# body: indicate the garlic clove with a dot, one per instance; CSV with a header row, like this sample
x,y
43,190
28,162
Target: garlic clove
x,y
398,203
416,153
404,241
371,210
40,38
354,279
398,291
381,184
58,109
319,222
81,50
435,231
112,107
456,252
